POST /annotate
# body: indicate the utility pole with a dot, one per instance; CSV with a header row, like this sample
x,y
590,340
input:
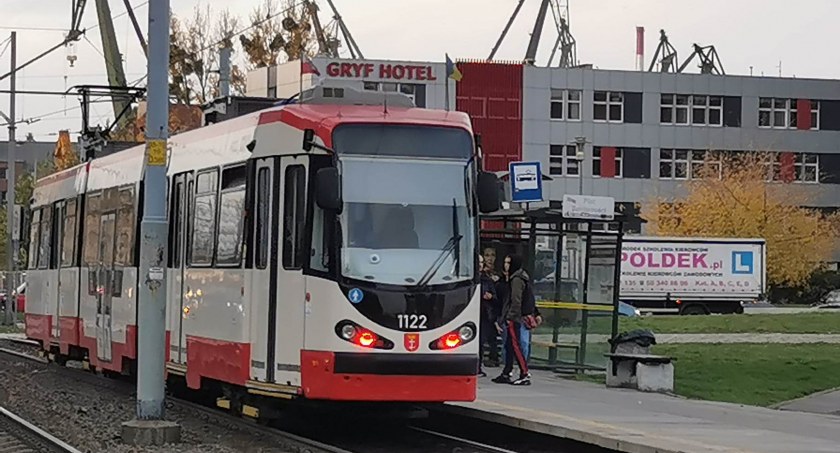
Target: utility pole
x,y
150,428
11,253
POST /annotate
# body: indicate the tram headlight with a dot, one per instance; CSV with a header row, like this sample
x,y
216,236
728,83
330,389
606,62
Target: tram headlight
x,y
348,332
360,336
455,338
466,333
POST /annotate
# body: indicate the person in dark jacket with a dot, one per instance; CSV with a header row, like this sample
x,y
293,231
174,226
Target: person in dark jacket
x,y
486,330
511,320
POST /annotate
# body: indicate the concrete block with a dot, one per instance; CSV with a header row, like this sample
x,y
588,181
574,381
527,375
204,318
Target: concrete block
x,y
655,377
150,432
625,375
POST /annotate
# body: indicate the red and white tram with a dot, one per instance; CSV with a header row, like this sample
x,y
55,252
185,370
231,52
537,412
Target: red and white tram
x,y
325,250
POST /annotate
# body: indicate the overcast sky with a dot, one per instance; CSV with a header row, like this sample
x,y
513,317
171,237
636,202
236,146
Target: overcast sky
x,y
757,33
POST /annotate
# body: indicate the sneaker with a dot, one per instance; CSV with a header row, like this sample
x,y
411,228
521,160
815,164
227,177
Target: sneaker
x,y
523,380
482,374
502,379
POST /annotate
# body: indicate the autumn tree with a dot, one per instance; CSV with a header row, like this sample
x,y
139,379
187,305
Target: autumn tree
x,y
283,30
194,47
733,198
65,154
23,195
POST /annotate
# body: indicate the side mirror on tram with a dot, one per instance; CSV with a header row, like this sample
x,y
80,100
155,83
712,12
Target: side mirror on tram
x,y
308,139
328,189
489,199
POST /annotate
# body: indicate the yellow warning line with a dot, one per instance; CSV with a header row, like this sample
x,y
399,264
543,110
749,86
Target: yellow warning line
x,y
574,306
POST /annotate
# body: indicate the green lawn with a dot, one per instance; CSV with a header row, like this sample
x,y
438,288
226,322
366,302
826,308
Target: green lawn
x,y
825,323
10,329
753,374
745,323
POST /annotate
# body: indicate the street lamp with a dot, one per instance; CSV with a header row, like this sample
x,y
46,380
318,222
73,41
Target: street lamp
x,y
580,143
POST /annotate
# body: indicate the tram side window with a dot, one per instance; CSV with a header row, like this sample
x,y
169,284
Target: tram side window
x,y
204,219
68,249
293,216
91,242
231,209
176,219
46,238
34,234
126,223
262,217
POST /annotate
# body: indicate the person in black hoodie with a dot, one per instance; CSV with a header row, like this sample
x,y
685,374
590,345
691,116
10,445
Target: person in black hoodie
x,y
511,320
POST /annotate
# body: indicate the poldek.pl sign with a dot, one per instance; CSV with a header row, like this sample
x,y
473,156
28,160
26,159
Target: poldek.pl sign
x,y
734,268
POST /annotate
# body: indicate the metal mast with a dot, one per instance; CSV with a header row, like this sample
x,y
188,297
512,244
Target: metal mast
x,y
113,58
355,52
669,62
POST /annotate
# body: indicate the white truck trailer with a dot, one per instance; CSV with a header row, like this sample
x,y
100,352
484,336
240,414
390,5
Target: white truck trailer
x,y
692,275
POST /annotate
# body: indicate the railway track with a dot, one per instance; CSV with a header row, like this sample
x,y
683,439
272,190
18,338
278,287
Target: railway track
x,y
286,441
19,436
338,434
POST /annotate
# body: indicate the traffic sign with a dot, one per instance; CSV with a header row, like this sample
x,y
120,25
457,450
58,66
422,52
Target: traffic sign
x,y
525,182
588,207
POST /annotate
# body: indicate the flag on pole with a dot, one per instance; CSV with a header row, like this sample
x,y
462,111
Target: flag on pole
x,y
452,71
307,66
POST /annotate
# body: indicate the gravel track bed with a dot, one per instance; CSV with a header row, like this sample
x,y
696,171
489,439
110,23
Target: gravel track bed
x,y
86,411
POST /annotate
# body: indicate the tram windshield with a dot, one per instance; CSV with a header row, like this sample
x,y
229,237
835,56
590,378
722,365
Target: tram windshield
x,y
400,215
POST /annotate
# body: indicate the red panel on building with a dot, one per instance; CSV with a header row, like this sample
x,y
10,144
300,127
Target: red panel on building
x,y
786,161
803,114
491,93
608,162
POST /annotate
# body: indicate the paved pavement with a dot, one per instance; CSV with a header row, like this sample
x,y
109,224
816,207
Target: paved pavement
x,y
667,338
631,421
827,402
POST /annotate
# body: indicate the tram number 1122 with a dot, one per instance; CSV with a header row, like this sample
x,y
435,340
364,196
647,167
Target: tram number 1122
x,y
411,321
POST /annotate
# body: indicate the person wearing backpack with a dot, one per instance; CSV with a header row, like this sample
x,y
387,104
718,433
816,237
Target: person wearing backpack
x,y
511,322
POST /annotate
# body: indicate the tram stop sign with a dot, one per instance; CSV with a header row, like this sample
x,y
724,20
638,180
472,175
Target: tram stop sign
x,y
525,182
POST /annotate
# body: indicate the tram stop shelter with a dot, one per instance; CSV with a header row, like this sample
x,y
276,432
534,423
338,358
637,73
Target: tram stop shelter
x,y
575,269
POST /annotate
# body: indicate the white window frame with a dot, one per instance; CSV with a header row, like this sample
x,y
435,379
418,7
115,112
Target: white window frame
x,y
773,168
788,112
608,102
698,159
565,163
805,161
686,104
596,161
566,99
673,162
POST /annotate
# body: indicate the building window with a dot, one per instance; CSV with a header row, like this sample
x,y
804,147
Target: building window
x,y
565,105
408,89
782,113
609,106
596,161
688,164
673,164
806,168
2,173
563,161
683,109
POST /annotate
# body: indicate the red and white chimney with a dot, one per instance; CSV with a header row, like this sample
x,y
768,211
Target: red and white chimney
x,y
640,48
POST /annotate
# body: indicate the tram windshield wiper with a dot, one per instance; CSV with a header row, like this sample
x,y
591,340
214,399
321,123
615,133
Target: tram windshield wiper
x,y
451,245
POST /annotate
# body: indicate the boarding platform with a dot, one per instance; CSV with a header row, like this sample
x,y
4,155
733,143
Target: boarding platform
x,y
632,421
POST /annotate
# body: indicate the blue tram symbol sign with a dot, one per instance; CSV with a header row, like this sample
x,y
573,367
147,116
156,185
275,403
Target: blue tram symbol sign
x,y
525,182
355,295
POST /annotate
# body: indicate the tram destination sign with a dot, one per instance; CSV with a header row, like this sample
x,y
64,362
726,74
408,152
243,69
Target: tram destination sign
x,y
588,207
